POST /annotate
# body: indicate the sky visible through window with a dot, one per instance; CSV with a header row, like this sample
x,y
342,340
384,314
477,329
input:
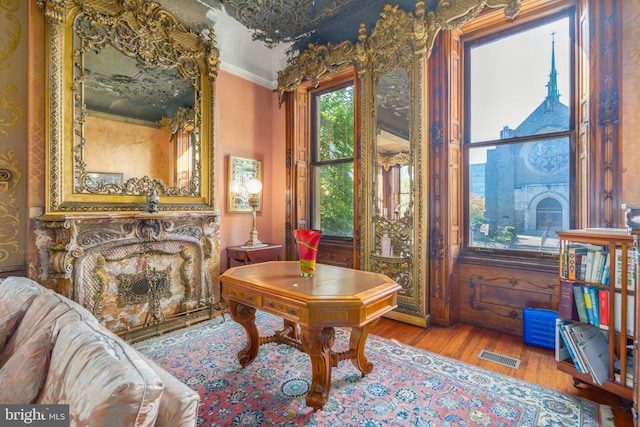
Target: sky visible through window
x,y
509,78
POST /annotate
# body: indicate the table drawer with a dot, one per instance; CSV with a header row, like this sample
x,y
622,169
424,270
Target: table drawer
x,y
287,311
246,298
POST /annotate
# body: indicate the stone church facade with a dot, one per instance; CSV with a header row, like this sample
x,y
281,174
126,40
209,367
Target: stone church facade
x,y
530,191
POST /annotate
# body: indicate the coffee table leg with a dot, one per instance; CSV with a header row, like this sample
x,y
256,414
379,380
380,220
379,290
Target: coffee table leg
x,y
246,316
317,343
356,342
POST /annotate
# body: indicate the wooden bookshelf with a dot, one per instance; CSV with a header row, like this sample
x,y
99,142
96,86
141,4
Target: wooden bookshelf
x,y
632,222
614,283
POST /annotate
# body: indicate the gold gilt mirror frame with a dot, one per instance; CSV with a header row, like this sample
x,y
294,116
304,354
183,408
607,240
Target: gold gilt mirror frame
x,y
391,65
150,38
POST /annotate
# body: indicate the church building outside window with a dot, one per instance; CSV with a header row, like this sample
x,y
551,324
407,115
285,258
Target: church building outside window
x,y
517,139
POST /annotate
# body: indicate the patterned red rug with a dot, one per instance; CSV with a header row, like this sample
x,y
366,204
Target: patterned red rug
x,y
408,386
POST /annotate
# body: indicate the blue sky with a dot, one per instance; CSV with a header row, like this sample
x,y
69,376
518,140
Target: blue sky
x,y
510,77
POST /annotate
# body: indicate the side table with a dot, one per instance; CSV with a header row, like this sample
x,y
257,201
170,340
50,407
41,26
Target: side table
x,y
244,255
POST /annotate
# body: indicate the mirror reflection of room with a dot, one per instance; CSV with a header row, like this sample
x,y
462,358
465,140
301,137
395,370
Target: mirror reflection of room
x,y
393,201
132,121
393,145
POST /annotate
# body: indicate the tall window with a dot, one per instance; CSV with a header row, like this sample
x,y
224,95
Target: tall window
x,y
518,133
331,163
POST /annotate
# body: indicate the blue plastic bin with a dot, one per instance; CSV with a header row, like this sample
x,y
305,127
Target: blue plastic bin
x,y
540,327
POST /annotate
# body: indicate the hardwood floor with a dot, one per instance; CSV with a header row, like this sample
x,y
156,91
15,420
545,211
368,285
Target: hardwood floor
x,y
464,342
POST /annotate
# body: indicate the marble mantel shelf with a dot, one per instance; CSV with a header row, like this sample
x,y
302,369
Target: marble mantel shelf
x,y
126,215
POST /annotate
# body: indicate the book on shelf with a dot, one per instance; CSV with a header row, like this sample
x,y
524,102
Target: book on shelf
x,y
603,304
587,262
561,350
586,294
595,304
595,349
628,266
562,328
606,270
628,371
592,305
587,347
617,309
567,307
578,333
574,261
581,308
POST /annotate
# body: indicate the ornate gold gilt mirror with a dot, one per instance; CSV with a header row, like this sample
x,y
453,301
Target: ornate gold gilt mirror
x,y
395,161
130,106
392,154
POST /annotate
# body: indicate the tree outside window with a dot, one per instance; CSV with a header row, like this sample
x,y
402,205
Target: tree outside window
x,y
332,162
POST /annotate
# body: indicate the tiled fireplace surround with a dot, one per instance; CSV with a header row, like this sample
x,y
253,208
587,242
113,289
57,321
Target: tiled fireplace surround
x,y
140,274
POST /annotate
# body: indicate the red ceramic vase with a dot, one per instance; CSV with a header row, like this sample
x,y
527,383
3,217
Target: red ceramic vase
x,y
308,241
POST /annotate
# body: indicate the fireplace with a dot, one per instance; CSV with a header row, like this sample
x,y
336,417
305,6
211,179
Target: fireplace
x,y
140,275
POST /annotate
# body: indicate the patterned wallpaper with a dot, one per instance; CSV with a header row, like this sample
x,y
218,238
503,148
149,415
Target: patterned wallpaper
x,y
630,97
13,134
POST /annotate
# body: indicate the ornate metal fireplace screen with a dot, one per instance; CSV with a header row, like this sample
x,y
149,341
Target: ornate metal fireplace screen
x,y
150,286
140,288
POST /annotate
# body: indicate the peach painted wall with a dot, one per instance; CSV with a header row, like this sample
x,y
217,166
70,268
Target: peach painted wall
x,y
250,124
630,100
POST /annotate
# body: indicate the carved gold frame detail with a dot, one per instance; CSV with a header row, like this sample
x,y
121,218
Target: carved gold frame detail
x,y
146,23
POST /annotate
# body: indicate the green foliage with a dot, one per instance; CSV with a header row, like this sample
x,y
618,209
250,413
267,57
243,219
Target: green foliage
x,y
476,211
505,234
336,180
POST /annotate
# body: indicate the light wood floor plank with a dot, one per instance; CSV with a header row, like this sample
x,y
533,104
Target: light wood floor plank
x,y
464,342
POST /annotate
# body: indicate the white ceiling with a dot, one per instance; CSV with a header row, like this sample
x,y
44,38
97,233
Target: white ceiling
x,y
242,56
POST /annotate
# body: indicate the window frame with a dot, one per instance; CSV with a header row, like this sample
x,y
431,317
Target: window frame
x,y
314,143
493,27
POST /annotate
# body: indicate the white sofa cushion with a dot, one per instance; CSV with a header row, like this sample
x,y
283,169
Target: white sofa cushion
x,y
9,322
16,291
46,308
24,373
104,381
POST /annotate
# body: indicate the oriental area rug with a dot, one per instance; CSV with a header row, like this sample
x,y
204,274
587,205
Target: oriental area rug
x,y
407,387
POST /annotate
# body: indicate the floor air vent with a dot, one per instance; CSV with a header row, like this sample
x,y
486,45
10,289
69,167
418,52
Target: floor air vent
x,y
500,359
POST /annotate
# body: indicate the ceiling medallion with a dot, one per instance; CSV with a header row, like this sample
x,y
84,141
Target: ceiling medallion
x,y
273,21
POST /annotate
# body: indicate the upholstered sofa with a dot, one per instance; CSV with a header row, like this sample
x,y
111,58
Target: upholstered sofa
x,y
53,351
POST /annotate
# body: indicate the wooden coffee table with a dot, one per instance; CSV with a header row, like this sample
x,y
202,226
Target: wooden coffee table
x,y
311,308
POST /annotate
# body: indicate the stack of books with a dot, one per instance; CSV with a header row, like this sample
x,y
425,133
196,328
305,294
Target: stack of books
x,y
591,263
587,347
591,304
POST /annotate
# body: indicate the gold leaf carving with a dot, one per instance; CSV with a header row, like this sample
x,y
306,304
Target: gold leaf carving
x,y
11,112
10,213
394,25
11,30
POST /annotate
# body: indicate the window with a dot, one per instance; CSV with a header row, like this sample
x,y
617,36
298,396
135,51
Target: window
x,y
518,133
332,153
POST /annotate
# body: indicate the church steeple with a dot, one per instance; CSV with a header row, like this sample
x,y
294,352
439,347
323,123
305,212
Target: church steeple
x,y
552,86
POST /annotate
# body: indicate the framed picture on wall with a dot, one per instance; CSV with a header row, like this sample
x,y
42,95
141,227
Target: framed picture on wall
x,y
241,170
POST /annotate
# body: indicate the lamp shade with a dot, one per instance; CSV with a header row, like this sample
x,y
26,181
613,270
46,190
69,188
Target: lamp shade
x,y
253,186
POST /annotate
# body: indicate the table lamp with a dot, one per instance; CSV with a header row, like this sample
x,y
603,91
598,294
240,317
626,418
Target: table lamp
x,y
254,186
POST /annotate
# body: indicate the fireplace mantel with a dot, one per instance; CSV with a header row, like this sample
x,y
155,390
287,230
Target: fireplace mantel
x,y
138,273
